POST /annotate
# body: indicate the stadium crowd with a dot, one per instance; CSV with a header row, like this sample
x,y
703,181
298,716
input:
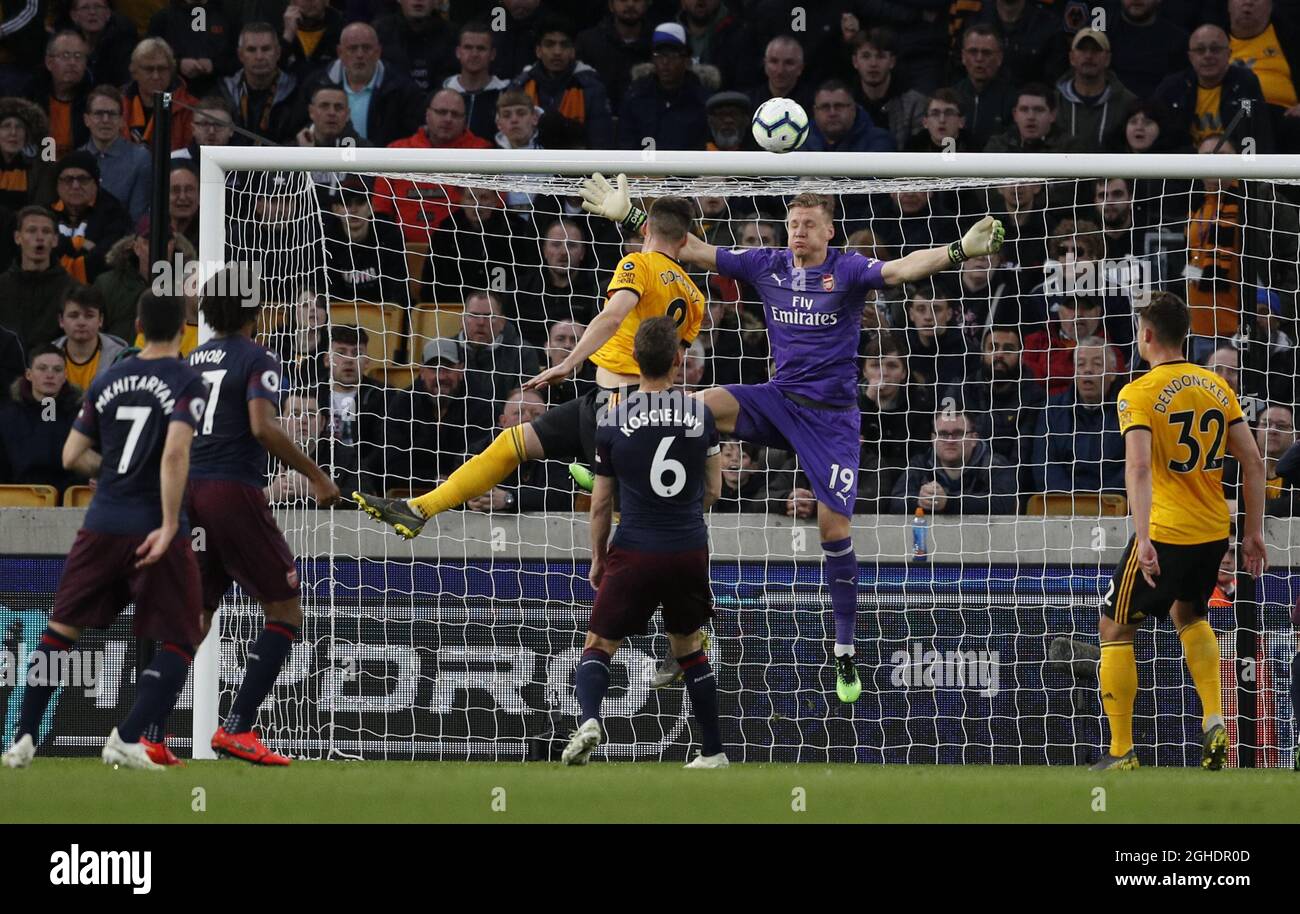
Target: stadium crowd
x,y
988,385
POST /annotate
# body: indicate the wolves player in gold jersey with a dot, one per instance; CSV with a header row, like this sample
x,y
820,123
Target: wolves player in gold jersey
x,y
647,284
1176,420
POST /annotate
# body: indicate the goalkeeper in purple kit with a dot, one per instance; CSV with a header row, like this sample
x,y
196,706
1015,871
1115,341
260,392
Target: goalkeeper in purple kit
x,y
813,298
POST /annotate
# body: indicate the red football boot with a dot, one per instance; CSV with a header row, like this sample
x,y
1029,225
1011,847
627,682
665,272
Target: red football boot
x,y
160,753
245,746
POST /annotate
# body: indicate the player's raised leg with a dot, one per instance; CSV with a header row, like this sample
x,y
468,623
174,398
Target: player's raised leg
x,y
40,688
474,477
1201,651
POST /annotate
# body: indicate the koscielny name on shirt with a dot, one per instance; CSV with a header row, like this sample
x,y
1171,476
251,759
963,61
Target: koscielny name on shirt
x,y
151,384
660,408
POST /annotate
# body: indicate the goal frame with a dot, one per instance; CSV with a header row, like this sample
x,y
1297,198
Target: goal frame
x,y
216,162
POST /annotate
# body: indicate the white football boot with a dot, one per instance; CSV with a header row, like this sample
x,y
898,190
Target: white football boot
x,y
20,754
127,755
585,739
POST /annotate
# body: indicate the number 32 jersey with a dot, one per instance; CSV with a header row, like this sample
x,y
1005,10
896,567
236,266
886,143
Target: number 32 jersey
x,y
127,413
663,288
1188,410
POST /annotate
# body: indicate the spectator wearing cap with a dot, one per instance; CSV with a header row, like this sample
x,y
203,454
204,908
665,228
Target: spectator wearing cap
x,y
125,169
496,358
356,412
729,116
24,176
1146,45
475,51
667,106
1092,100
986,91
32,290
203,54
1032,40
718,37
109,36
1037,125
61,89
153,69
1268,44
419,207
31,433
783,74
562,83
384,103
841,125
88,351
365,257
127,275
263,97
616,44
309,37
418,41
892,108
427,424
1077,445
1206,98
90,218
214,125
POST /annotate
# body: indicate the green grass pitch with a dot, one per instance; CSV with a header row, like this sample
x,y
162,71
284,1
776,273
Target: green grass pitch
x,y
85,791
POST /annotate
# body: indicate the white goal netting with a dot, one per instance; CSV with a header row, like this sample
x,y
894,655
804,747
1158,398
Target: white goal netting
x,y
988,399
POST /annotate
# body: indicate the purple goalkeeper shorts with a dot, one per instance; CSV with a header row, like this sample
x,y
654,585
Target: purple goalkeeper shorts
x,y
827,440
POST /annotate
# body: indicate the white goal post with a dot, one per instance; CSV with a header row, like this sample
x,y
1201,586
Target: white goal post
x,y
690,173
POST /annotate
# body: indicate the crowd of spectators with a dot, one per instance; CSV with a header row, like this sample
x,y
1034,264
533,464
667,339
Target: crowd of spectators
x,y
978,389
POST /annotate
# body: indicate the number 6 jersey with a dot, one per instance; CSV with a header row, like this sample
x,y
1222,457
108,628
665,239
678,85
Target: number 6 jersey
x,y
1188,410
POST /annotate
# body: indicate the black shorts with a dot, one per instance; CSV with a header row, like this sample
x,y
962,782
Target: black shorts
x,y
243,543
100,579
636,583
1186,573
568,431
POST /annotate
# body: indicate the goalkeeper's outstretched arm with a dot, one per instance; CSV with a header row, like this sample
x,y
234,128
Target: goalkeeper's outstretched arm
x,y
984,237
612,201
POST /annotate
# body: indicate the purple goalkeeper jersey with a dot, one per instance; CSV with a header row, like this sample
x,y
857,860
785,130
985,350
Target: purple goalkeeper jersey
x,y
814,316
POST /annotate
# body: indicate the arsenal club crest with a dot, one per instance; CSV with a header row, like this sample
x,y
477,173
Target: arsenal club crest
x,y
828,282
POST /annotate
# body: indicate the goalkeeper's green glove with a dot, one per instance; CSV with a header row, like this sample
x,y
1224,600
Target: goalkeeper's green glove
x,y
984,237
600,198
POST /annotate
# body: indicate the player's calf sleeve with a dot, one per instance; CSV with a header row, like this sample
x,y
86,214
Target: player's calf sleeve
x,y
1201,650
591,682
841,573
1119,685
157,689
477,475
702,686
265,660
42,682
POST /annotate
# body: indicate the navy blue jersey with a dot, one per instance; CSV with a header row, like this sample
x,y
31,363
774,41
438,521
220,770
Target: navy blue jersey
x,y
127,413
656,446
237,371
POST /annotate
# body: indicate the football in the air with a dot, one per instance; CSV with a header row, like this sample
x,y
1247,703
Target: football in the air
x,y
780,125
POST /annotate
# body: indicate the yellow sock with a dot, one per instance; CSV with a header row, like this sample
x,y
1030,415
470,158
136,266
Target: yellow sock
x,y
477,475
1201,648
1119,685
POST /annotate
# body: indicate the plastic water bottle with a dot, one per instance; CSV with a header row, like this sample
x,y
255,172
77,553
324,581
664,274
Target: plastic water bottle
x,y
920,537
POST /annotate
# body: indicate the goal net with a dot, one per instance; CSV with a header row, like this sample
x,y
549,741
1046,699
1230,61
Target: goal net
x,y
409,297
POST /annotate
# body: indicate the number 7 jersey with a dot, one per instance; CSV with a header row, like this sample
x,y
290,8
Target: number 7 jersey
x,y
1188,410
663,287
